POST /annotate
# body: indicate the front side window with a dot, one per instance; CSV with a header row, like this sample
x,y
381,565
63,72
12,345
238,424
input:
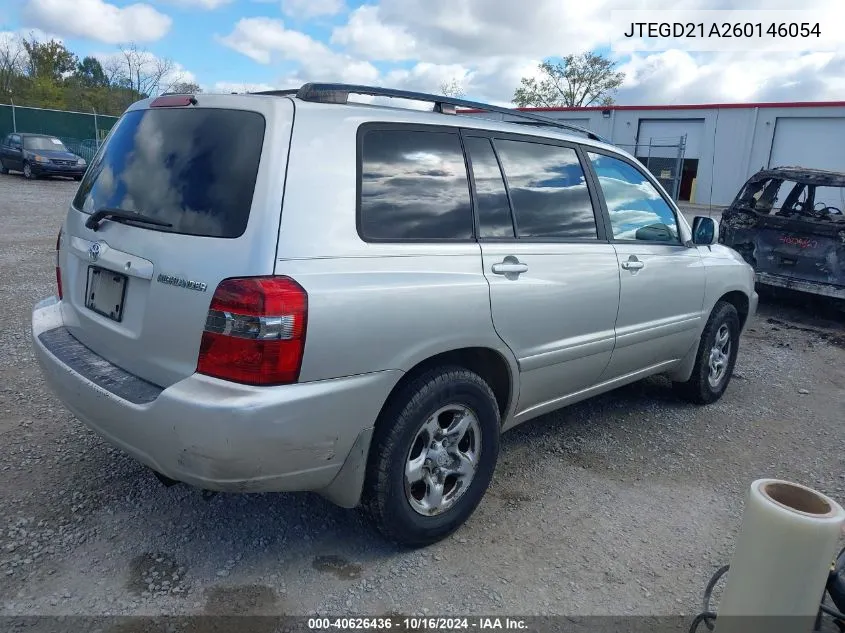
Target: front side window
x,y
414,186
548,191
637,210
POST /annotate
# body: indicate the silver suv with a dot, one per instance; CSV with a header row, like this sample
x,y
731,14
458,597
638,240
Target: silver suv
x,y
290,291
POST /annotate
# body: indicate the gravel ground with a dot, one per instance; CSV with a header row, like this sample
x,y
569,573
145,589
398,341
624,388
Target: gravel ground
x,y
622,505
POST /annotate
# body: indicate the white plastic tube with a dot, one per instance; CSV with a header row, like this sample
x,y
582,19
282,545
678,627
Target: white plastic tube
x,y
782,559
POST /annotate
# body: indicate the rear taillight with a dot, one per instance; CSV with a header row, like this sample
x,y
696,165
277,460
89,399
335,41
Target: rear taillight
x,y
58,269
255,331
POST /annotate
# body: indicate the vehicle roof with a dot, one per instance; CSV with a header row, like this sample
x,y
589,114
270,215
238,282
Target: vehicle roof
x,y
805,175
370,112
387,113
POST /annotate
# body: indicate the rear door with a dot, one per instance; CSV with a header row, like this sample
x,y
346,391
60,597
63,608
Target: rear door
x,y
662,279
138,293
554,281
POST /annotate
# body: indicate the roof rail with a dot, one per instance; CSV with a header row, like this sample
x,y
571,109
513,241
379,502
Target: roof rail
x,y
276,93
339,93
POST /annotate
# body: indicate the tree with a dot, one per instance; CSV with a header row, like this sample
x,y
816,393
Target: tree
x,y
12,55
452,88
48,60
186,88
89,72
141,72
577,81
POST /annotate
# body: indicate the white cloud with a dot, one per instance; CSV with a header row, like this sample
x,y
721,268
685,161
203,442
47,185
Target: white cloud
x,y
450,31
675,77
311,8
201,4
265,40
227,87
261,38
367,35
98,20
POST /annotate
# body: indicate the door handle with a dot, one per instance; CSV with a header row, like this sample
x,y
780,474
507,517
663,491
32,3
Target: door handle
x,y
632,265
510,268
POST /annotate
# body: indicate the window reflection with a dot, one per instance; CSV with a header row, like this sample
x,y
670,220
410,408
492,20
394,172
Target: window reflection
x,y
548,190
194,168
494,213
637,210
414,186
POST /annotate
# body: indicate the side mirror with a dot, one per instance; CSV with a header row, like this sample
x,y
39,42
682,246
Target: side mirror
x,y
703,231
654,233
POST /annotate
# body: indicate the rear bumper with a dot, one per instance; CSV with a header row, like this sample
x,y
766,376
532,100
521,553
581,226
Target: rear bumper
x,y
817,288
216,434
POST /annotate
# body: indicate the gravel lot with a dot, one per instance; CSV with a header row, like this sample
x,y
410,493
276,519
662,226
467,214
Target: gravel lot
x,y
622,505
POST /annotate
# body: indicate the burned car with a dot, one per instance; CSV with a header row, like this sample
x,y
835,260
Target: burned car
x,y
788,223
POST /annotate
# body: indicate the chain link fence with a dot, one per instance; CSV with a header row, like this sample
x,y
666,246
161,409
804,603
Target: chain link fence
x,y
81,132
86,148
664,158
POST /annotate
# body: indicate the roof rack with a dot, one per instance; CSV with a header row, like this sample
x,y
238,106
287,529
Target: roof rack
x,y
339,93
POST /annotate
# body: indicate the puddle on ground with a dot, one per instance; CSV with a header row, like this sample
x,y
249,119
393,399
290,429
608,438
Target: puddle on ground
x,y
155,573
338,566
241,600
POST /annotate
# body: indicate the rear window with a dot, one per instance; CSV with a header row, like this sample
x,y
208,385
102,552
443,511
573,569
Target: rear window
x,y
193,168
414,186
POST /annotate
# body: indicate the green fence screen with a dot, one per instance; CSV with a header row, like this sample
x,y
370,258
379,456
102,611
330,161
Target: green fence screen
x,y
80,131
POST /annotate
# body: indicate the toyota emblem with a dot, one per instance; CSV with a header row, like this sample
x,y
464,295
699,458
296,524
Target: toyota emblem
x,y
94,251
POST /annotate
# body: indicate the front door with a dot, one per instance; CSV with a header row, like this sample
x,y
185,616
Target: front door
x,y
554,280
662,280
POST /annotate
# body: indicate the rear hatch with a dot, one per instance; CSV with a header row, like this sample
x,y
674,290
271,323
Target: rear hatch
x,y
801,249
137,292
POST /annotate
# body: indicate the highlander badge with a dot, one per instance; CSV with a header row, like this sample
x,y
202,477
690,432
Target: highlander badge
x,y
181,283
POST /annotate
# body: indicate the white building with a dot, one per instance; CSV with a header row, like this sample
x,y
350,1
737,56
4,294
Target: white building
x,y
725,143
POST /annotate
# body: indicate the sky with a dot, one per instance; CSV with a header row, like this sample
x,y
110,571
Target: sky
x,y
484,45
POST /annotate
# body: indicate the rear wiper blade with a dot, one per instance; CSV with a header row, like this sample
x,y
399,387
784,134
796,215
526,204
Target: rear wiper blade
x,y
113,213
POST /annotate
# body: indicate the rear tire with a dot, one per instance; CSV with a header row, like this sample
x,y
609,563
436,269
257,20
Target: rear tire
x,y
3,169
432,457
77,178
28,173
716,357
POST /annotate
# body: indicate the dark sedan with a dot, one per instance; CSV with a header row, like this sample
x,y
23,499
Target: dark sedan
x,y
39,155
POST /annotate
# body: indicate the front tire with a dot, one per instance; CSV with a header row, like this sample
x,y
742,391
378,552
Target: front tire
x,y
433,455
716,357
28,173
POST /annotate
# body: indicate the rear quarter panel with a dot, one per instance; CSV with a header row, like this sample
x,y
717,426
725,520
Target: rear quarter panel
x,y
371,306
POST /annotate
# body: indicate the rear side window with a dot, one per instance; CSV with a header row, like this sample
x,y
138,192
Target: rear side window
x,y
548,191
414,186
193,168
493,208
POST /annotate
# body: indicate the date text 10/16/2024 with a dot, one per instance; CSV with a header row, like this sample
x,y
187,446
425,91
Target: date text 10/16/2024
x,y
417,624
